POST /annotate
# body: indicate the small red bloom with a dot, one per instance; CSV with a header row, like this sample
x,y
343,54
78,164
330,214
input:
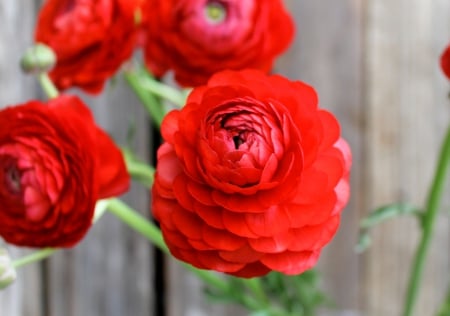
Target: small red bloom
x,y
445,62
55,163
90,38
197,38
252,176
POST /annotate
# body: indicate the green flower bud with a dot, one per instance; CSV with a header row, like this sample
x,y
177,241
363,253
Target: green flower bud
x,y
7,271
137,16
38,59
215,12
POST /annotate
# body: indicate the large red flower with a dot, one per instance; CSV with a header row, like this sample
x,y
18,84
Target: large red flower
x,y
196,38
55,163
90,38
252,176
445,62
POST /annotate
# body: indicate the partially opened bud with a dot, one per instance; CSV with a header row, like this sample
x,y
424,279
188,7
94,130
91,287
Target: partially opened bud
x,y
38,58
7,271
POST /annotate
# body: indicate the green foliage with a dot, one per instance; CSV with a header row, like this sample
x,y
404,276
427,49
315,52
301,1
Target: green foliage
x,y
444,310
275,294
381,215
139,170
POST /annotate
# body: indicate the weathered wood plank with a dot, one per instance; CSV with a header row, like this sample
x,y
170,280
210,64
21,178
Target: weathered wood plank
x,y
377,72
327,54
321,57
185,296
407,112
23,298
111,272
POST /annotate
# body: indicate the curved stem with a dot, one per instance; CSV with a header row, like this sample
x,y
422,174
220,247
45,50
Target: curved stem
x,y
429,219
149,230
44,253
150,102
138,222
164,91
255,286
34,257
139,170
47,85
444,310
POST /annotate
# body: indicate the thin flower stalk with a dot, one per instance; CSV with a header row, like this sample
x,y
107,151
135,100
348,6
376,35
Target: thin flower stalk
x,y
429,220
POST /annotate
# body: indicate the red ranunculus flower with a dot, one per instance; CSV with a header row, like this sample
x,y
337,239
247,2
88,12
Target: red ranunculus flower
x,y
90,38
55,163
196,38
252,176
445,62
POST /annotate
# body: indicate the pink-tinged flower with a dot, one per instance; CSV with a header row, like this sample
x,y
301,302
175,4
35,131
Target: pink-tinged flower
x,y
252,176
90,38
196,38
445,62
55,163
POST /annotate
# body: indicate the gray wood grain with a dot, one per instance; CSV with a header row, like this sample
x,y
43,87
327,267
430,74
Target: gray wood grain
x,y
375,65
23,298
327,54
407,113
111,271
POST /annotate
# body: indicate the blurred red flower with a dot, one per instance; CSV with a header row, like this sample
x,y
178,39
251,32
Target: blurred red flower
x,y
90,38
55,163
197,38
445,62
252,176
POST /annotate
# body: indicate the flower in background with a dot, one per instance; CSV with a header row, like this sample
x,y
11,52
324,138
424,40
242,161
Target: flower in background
x,y
90,38
197,38
445,62
55,163
252,176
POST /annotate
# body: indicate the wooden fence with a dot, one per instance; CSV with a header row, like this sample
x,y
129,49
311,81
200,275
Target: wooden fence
x,y
375,65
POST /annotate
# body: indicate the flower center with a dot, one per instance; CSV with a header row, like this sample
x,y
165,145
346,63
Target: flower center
x,y
215,12
238,141
12,178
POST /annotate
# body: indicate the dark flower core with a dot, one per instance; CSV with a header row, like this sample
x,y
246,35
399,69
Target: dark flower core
x,y
11,176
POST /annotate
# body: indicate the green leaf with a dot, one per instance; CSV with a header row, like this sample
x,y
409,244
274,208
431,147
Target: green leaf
x,y
389,211
364,241
260,313
380,215
151,103
138,170
444,310
298,295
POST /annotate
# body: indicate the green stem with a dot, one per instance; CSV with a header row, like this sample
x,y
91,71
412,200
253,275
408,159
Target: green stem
x,y
34,257
429,220
209,278
149,230
139,170
138,222
44,253
47,85
444,310
150,102
255,286
164,91
262,301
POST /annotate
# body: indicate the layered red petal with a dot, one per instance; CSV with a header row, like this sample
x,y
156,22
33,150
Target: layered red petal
x,y
252,177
